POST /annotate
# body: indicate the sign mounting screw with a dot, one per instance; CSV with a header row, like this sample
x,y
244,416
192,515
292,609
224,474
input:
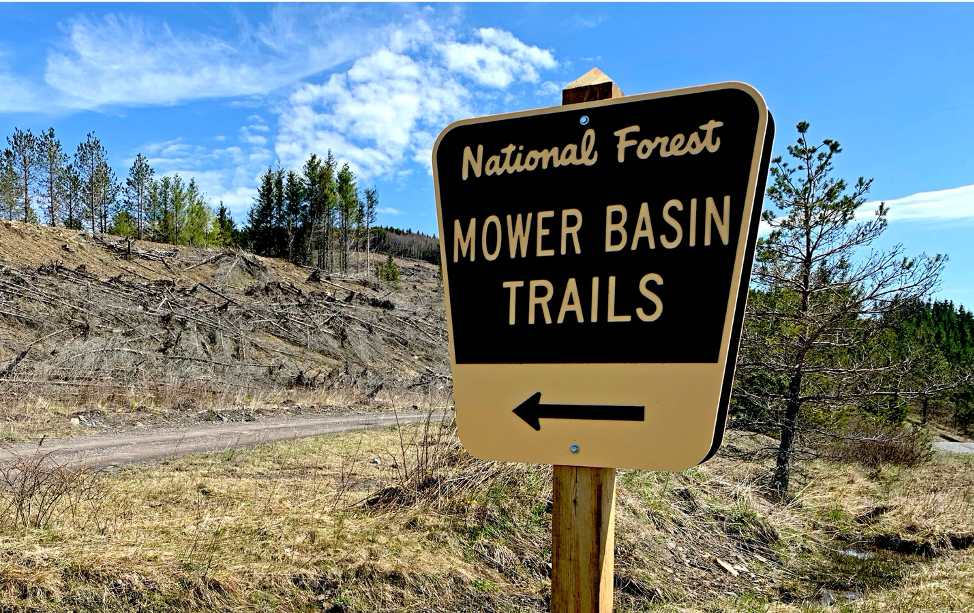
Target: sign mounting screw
x,y
574,448
583,120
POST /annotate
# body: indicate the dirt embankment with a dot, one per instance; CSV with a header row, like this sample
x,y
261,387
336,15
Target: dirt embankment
x,y
110,333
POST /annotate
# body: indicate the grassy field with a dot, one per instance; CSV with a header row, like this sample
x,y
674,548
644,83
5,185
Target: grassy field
x,y
404,520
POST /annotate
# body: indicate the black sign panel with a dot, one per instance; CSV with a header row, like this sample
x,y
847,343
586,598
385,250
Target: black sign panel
x,y
603,234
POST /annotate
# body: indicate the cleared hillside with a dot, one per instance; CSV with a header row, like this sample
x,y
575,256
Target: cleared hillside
x,y
114,333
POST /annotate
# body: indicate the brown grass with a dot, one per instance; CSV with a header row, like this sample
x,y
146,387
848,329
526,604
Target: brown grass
x,y
319,524
38,488
873,443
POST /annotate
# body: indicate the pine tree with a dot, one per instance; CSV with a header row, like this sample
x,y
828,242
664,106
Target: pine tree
x,y
89,163
369,214
277,238
169,205
821,306
198,218
137,187
73,188
109,190
389,272
312,205
180,207
53,161
123,224
224,228
8,181
349,208
319,191
260,218
160,210
26,164
292,214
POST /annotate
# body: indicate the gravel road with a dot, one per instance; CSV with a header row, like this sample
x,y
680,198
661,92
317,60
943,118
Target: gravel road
x,y
132,448
954,447
137,447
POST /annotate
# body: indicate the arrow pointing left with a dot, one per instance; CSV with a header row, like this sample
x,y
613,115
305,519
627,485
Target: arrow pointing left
x,y
532,411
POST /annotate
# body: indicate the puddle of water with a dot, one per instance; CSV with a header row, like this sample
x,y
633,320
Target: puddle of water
x,y
831,597
855,553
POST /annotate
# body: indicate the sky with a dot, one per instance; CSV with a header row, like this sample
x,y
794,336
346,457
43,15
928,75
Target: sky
x,y
220,92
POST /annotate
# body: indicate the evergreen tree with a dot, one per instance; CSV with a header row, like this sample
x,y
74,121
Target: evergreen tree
x,y
389,272
821,304
168,197
940,338
277,230
8,181
369,213
137,188
73,189
320,196
53,161
224,228
90,163
349,208
291,215
180,207
26,164
123,224
312,205
260,218
158,211
198,218
109,189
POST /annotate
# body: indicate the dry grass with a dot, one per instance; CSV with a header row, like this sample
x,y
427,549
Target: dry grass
x,y
404,520
874,443
37,489
398,520
255,530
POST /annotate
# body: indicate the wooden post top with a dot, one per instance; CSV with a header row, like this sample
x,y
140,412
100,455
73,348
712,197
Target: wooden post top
x,y
593,85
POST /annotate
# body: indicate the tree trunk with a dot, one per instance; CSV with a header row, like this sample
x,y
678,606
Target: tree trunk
x,y
789,429
50,195
26,196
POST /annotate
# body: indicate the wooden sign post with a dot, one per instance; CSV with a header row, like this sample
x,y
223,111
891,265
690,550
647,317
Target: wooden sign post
x,y
596,258
583,515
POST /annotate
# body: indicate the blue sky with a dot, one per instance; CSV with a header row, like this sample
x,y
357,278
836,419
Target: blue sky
x,y
221,91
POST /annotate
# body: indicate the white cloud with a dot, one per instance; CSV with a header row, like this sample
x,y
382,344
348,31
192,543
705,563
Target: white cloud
x,y
498,60
579,22
130,61
389,106
407,73
388,210
954,204
227,174
248,136
548,89
18,95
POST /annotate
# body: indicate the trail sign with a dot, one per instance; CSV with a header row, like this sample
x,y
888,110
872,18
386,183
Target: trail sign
x,y
596,261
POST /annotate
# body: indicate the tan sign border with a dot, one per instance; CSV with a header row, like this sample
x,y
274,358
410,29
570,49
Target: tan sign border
x,y
744,241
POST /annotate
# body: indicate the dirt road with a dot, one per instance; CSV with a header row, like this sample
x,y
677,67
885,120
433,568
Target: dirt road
x,y
131,448
954,447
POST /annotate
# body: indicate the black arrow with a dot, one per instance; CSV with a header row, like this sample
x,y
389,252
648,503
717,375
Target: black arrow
x,y
531,411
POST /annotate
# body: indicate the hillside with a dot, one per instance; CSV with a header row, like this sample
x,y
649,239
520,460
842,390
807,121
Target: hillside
x,y
116,334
